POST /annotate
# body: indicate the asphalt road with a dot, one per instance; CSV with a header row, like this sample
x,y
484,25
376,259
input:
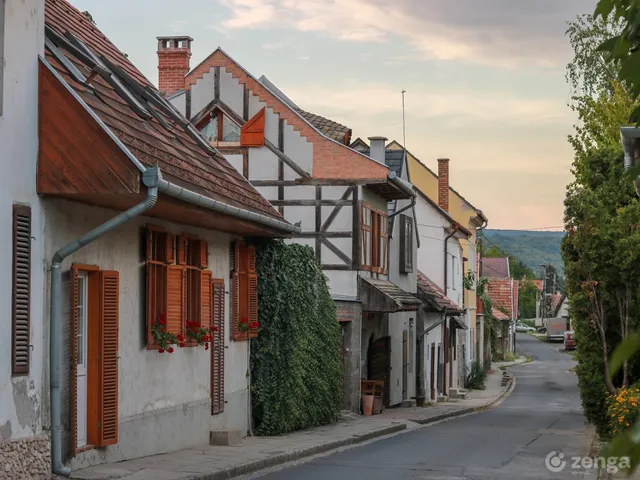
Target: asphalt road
x,y
511,441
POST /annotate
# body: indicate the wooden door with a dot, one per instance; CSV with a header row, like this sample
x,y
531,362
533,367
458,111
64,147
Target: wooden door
x,y
405,363
380,364
432,375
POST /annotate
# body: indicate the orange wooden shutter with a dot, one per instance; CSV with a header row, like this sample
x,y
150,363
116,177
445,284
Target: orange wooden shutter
x,y
252,294
181,256
217,348
204,254
176,299
108,398
252,132
205,299
170,245
238,278
73,374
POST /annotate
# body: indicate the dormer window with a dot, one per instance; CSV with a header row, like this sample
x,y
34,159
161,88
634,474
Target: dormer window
x,y
221,128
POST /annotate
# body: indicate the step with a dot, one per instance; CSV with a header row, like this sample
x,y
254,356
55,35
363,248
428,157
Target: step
x,y
225,437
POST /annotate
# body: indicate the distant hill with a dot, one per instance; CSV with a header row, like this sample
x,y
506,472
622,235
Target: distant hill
x,y
530,247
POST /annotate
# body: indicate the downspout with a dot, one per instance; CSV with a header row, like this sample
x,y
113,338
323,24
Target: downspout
x,y
150,180
446,249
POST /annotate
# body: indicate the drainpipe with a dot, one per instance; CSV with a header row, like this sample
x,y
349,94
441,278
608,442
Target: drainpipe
x,y
446,248
150,180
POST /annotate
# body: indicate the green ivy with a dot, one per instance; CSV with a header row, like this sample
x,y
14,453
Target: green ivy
x,y
296,366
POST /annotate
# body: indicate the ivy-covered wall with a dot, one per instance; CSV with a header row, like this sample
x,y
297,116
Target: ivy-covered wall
x,y
296,367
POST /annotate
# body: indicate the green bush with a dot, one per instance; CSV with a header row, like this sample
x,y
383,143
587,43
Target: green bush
x,y
296,366
477,376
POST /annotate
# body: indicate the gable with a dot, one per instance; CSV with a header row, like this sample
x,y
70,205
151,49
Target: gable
x,y
331,160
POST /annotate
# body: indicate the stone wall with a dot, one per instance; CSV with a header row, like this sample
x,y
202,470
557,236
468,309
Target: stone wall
x,y
350,317
25,459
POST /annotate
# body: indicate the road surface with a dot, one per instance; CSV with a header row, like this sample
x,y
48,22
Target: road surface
x,y
511,441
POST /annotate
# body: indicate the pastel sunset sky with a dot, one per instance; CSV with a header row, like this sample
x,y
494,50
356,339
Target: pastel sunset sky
x,y
484,78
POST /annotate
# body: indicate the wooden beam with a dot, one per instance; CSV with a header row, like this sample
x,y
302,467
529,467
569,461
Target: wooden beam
x,y
216,84
355,249
342,234
231,150
318,221
339,253
335,182
245,102
280,162
336,210
282,156
336,267
273,183
245,162
310,203
187,109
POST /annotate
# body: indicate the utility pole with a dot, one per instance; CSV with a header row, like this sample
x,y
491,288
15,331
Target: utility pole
x,y
543,311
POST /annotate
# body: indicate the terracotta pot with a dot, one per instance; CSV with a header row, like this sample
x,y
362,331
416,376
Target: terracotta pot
x,y
367,404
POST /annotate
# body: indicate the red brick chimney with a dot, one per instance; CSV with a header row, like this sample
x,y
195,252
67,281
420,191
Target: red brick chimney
x,y
173,63
443,183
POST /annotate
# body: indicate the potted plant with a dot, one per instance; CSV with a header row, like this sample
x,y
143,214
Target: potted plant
x,y
162,338
198,334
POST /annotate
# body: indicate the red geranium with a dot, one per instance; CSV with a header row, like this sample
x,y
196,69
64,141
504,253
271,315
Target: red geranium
x,y
170,350
254,325
181,345
160,350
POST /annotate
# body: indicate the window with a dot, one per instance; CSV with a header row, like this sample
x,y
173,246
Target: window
x,y
93,347
406,244
178,284
244,292
221,128
21,292
2,8
374,234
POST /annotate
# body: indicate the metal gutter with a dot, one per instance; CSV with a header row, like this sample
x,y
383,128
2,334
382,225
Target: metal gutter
x,y
438,323
446,248
200,200
150,180
401,185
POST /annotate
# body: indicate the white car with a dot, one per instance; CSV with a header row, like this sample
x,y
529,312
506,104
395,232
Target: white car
x,y
521,327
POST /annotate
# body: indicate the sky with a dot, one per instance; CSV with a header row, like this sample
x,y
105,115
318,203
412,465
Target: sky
x,y
484,79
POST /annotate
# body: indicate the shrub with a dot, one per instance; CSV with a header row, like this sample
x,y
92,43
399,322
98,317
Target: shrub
x,y
623,409
296,365
509,357
477,376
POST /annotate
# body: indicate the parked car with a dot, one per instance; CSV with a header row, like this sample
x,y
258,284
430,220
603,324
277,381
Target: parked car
x,y
542,329
555,329
522,327
569,340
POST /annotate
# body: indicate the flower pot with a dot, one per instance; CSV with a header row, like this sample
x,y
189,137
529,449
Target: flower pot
x,y
367,404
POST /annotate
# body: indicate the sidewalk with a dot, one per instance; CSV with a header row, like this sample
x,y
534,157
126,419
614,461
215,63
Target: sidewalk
x,y
257,453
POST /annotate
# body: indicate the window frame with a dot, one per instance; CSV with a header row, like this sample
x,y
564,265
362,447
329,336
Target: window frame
x,y
219,117
2,42
406,244
374,232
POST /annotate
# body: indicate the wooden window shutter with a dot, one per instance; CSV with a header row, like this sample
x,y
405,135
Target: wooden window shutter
x,y
238,282
205,299
73,350
108,398
252,132
170,256
217,350
176,299
181,254
403,244
252,285
204,254
21,292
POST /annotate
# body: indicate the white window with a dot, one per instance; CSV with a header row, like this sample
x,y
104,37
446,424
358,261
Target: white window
x,y
2,5
82,360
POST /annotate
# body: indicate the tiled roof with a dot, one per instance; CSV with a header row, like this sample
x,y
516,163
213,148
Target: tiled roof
x,y
538,283
498,315
430,293
494,267
331,129
516,299
156,141
402,300
500,290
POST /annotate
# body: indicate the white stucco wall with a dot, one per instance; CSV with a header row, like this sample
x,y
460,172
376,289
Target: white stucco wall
x,y
161,396
23,399
434,337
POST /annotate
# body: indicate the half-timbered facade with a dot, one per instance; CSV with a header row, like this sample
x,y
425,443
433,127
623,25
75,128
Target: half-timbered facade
x,y
337,195
151,310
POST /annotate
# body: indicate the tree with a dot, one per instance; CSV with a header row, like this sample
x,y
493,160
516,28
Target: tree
x,y
527,299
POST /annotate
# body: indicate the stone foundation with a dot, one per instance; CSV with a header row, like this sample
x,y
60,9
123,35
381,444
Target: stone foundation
x,y
25,459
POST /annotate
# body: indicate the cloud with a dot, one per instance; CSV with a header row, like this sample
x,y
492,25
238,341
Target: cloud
x,y
272,46
455,107
498,32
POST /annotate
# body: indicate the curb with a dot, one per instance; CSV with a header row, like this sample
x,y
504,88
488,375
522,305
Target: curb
x,y
505,393
276,460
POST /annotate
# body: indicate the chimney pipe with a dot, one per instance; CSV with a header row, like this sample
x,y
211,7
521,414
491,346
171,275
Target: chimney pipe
x,y
378,148
443,183
174,53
